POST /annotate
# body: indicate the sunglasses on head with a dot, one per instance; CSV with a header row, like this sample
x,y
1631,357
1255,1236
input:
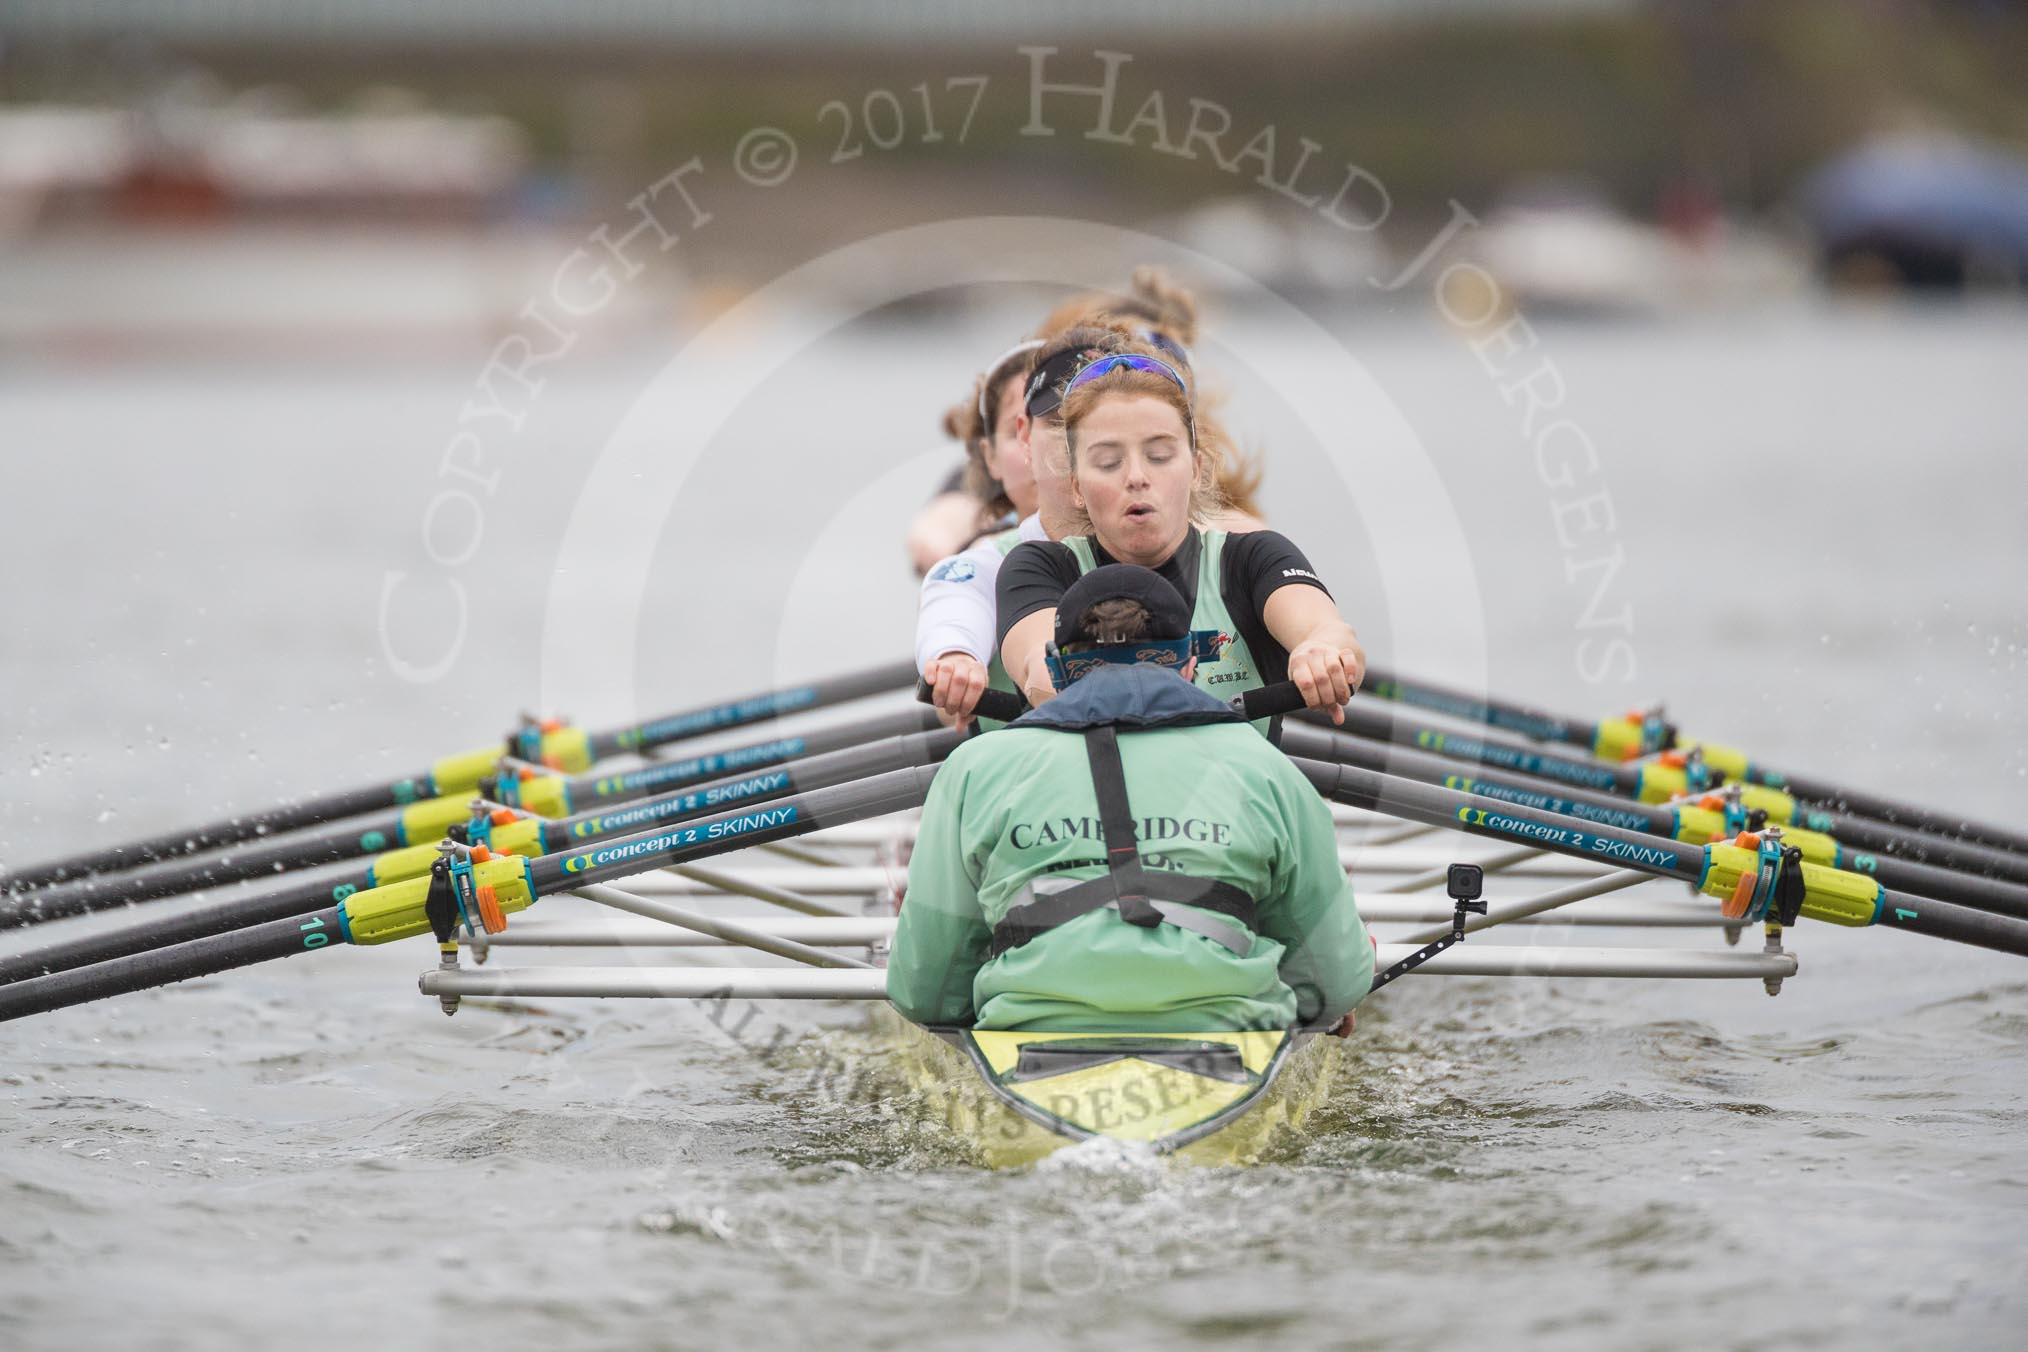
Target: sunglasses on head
x,y
1130,361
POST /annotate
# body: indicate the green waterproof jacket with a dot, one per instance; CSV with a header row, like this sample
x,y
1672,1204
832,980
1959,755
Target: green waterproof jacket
x,y
1209,798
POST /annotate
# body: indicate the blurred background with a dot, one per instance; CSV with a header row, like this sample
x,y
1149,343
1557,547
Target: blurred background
x,y
1622,155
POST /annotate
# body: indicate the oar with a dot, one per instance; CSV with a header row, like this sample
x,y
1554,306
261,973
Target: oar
x,y
256,929
1614,739
1658,782
1633,798
478,892
1270,701
1756,878
1692,821
422,824
530,837
566,748
1637,734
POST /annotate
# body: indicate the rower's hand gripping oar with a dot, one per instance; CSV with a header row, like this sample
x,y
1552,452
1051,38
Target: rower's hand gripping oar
x,y
1004,706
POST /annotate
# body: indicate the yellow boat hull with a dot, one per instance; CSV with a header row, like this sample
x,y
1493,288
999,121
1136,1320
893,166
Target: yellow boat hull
x,y
1211,1098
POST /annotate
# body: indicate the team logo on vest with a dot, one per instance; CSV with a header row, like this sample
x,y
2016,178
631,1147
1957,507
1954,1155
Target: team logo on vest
x,y
954,570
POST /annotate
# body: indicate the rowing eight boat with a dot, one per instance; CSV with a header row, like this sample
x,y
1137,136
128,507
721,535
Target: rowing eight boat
x,y
1215,1095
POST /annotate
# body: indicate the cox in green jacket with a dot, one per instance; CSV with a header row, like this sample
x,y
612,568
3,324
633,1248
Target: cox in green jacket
x,y
1209,798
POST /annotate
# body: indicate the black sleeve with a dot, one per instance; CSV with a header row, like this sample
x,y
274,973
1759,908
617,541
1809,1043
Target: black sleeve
x,y
1033,577
1260,563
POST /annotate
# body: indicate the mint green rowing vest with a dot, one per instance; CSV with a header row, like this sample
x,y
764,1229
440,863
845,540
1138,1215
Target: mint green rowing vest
x,y
1235,672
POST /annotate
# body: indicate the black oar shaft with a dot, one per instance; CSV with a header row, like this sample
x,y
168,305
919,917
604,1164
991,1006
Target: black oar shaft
x,y
180,962
663,776
800,814
814,772
1957,856
1386,757
1381,725
1625,781
1943,920
315,811
1854,803
296,899
216,835
1996,895
603,861
174,877
1505,715
374,834
1543,726
1432,805
760,709
1603,844
1302,739
810,772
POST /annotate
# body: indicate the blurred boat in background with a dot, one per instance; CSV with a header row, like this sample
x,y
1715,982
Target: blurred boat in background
x,y
249,224
1923,209
1559,246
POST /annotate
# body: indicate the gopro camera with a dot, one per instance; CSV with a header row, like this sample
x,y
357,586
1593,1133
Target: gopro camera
x,y
1466,882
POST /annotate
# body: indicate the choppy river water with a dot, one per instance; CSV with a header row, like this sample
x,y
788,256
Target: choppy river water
x,y
1815,531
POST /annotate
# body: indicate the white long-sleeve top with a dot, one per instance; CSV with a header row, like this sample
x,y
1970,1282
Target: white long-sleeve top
x,y
956,612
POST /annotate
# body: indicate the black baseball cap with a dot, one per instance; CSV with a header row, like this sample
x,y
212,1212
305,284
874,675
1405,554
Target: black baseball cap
x,y
1168,612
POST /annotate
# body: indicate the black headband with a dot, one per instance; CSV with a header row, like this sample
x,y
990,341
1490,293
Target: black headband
x,y
1045,387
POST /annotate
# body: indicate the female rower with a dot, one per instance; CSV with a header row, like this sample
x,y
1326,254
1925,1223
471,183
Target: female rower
x,y
957,635
977,497
1139,471
1164,314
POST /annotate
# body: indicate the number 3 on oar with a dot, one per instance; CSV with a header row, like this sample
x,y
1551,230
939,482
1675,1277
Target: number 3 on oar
x,y
317,936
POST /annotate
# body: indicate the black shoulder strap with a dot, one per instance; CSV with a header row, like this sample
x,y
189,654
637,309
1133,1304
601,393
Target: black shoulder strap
x,y
1116,823
1141,897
